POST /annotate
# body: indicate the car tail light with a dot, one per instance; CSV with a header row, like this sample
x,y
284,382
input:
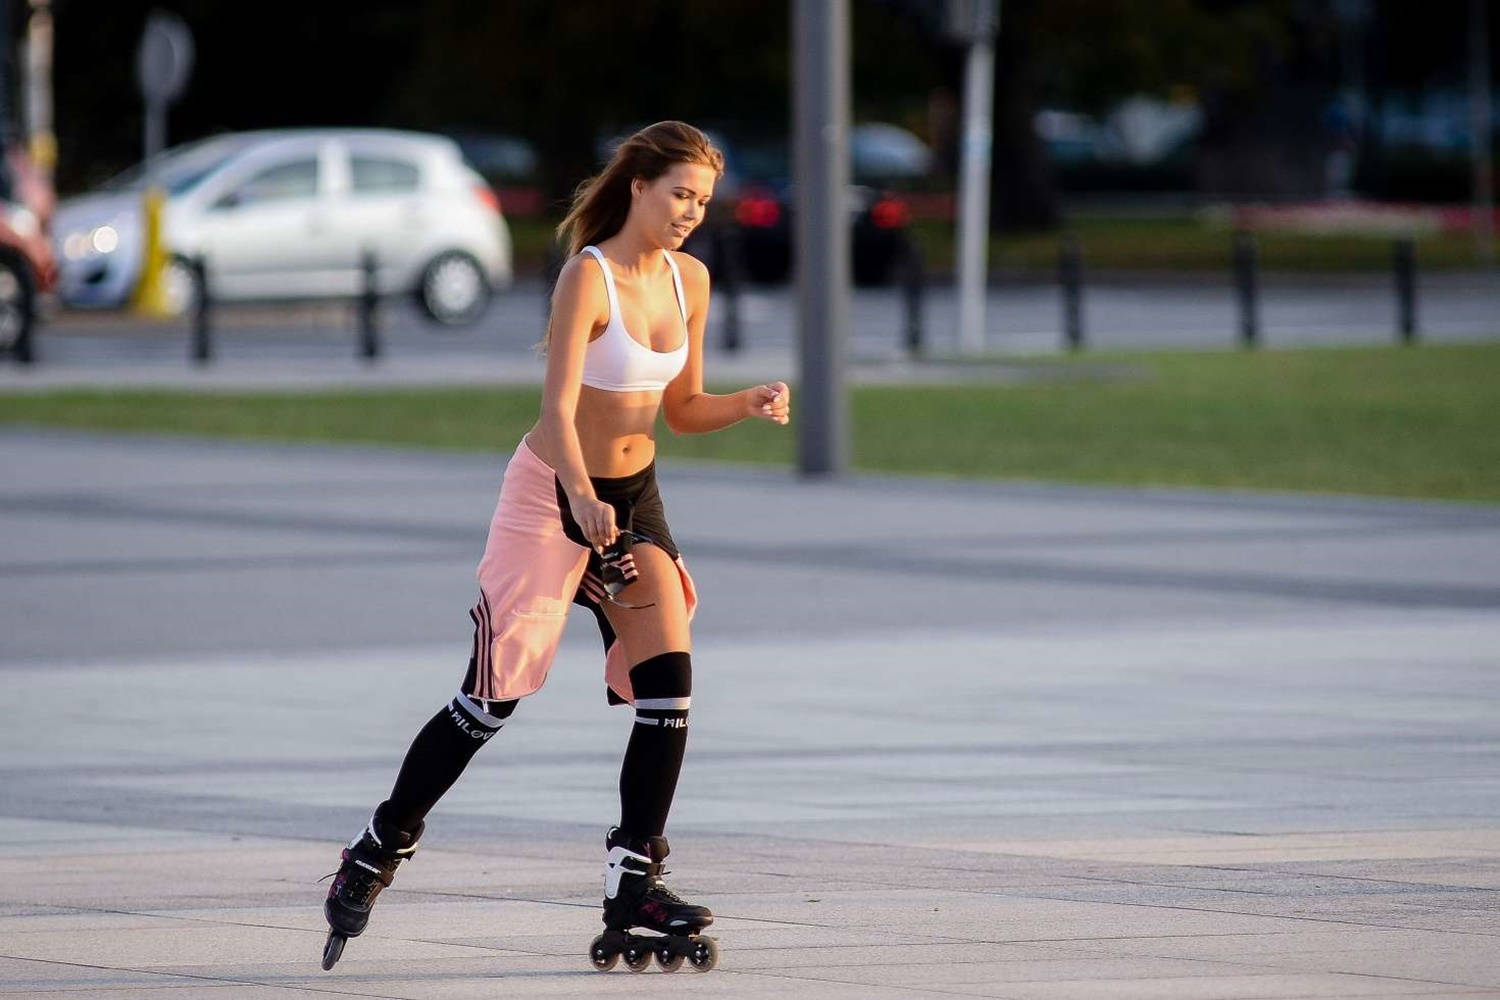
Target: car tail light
x,y
890,213
487,197
757,213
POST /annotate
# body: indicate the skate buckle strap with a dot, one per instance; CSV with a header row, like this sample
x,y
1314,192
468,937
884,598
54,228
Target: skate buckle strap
x,y
622,861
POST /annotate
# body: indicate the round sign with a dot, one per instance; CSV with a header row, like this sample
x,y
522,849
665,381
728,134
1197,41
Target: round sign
x,y
165,57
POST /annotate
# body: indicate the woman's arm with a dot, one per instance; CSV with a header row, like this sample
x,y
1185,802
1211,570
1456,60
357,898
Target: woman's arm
x,y
686,407
579,306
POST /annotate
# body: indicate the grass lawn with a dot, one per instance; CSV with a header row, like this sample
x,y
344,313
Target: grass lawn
x,y
1416,422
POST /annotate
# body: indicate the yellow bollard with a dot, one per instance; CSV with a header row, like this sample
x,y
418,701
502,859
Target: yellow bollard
x,y
44,152
151,290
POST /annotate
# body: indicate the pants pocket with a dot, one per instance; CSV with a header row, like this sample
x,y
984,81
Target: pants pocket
x,y
524,647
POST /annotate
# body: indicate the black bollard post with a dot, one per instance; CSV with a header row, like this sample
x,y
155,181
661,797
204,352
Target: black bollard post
x,y
913,285
1405,259
1070,277
202,350
1245,264
369,303
727,255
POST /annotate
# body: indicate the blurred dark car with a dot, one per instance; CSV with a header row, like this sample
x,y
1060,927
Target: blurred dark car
x,y
764,218
754,220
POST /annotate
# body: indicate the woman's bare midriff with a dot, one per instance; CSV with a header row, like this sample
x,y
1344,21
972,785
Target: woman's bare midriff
x,y
616,432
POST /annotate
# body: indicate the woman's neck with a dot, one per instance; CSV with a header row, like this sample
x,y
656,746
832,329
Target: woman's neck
x,y
636,256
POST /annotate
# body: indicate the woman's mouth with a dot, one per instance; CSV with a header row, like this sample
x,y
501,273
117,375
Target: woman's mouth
x,y
680,229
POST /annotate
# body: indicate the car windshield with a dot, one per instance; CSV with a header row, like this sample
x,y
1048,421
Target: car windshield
x,y
179,170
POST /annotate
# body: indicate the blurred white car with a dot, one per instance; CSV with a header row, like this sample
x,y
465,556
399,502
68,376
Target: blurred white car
x,y
291,214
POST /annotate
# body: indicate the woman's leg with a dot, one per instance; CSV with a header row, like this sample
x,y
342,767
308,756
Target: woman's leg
x,y
438,755
658,645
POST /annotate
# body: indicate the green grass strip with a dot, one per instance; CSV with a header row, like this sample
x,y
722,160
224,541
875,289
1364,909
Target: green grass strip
x,y
1415,422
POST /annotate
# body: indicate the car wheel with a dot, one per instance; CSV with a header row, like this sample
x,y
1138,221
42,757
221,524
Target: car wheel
x,y
17,301
453,290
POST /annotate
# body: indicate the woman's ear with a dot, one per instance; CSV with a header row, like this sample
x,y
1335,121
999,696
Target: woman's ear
x,y
637,187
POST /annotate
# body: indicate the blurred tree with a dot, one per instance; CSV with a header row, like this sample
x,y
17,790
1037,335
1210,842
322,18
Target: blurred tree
x,y
274,63
567,76
570,76
1263,71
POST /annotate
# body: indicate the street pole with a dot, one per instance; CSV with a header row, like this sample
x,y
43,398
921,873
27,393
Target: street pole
x,y
6,132
41,138
820,105
1479,128
164,60
976,21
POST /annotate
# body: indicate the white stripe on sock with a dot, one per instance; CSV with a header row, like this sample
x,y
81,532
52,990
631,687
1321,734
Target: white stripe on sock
x,y
470,706
672,704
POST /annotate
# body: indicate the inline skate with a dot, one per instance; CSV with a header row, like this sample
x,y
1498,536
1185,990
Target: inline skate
x,y
369,863
635,896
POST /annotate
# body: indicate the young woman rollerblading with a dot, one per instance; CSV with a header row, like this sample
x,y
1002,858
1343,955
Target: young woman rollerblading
x,y
580,521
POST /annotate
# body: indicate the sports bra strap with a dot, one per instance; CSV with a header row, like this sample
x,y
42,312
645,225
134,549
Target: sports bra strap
x,y
609,281
677,281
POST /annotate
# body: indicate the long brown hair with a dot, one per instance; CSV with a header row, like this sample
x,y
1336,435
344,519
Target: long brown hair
x,y
601,203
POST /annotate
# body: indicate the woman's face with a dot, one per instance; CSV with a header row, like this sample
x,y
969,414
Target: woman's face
x,y
672,206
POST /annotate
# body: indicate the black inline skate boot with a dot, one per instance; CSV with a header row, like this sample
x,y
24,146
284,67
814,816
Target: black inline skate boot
x,y
369,864
635,896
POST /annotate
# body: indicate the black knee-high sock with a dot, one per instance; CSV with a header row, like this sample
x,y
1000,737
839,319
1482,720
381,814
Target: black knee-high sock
x,y
653,757
439,754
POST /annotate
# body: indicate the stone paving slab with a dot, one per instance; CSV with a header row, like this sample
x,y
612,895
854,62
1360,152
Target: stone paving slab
x,y
1115,743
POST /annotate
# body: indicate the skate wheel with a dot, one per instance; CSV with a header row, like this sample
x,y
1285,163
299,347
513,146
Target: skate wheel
x,y
332,949
669,960
705,954
603,958
637,958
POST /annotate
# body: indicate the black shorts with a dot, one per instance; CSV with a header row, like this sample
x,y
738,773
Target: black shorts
x,y
638,507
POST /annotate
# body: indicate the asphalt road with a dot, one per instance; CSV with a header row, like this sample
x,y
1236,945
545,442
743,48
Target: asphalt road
x,y
1022,319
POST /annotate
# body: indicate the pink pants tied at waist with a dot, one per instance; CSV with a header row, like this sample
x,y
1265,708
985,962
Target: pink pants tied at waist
x,y
527,578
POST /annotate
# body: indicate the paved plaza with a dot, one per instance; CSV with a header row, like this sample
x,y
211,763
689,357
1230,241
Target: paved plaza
x,y
948,739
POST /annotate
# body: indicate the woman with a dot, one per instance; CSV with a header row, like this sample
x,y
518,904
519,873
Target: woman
x,y
580,520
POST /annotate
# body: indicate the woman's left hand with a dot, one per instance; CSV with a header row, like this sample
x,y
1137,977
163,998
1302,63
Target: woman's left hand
x,y
772,401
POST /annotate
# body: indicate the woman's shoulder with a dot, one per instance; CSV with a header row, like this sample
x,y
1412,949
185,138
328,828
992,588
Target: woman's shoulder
x,y
579,280
581,262
694,271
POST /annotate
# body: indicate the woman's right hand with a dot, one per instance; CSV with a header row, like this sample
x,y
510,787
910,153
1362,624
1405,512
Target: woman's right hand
x,y
596,519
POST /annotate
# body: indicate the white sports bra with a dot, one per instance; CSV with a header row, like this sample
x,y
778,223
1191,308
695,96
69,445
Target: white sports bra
x,y
617,362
